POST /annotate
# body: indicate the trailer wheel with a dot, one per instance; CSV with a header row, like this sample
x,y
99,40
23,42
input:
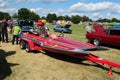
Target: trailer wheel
x,y
27,47
96,42
22,44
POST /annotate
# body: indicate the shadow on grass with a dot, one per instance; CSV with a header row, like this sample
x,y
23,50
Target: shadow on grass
x,y
110,46
5,69
35,52
76,61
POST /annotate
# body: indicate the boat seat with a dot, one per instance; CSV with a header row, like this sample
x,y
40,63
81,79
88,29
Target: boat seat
x,y
52,36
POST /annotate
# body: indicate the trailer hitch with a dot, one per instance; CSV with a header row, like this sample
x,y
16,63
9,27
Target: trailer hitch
x,y
110,72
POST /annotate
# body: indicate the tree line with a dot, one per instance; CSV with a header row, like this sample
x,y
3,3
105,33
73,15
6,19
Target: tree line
x,y
25,13
4,15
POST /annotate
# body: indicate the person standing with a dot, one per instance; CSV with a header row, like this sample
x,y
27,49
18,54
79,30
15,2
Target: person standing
x,y
0,36
4,26
10,28
88,28
16,31
42,28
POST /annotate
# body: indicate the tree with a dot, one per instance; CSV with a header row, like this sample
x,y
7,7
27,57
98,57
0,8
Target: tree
x,y
7,16
1,15
60,18
51,17
114,20
23,13
85,19
67,18
103,20
76,19
4,15
26,14
15,15
34,16
43,17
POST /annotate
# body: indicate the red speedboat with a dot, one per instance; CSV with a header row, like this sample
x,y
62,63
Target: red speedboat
x,y
54,43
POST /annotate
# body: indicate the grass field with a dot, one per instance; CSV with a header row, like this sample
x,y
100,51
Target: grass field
x,y
50,66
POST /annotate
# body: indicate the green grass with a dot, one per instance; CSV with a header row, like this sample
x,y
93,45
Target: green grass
x,y
39,66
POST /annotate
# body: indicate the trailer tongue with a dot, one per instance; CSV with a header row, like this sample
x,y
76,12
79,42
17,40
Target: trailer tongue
x,y
97,59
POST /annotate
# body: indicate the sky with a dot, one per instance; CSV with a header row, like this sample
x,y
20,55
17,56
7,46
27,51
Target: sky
x,y
94,9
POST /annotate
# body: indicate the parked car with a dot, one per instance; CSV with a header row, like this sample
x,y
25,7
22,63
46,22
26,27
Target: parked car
x,y
110,36
116,26
26,25
64,29
26,28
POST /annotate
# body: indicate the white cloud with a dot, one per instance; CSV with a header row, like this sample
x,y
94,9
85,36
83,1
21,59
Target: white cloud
x,y
92,10
5,8
93,7
109,15
96,14
50,1
101,9
43,1
41,11
10,10
44,12
3,4
61,12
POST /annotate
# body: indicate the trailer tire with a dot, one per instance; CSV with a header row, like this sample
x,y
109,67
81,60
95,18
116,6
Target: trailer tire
x,y
27,47
22,44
